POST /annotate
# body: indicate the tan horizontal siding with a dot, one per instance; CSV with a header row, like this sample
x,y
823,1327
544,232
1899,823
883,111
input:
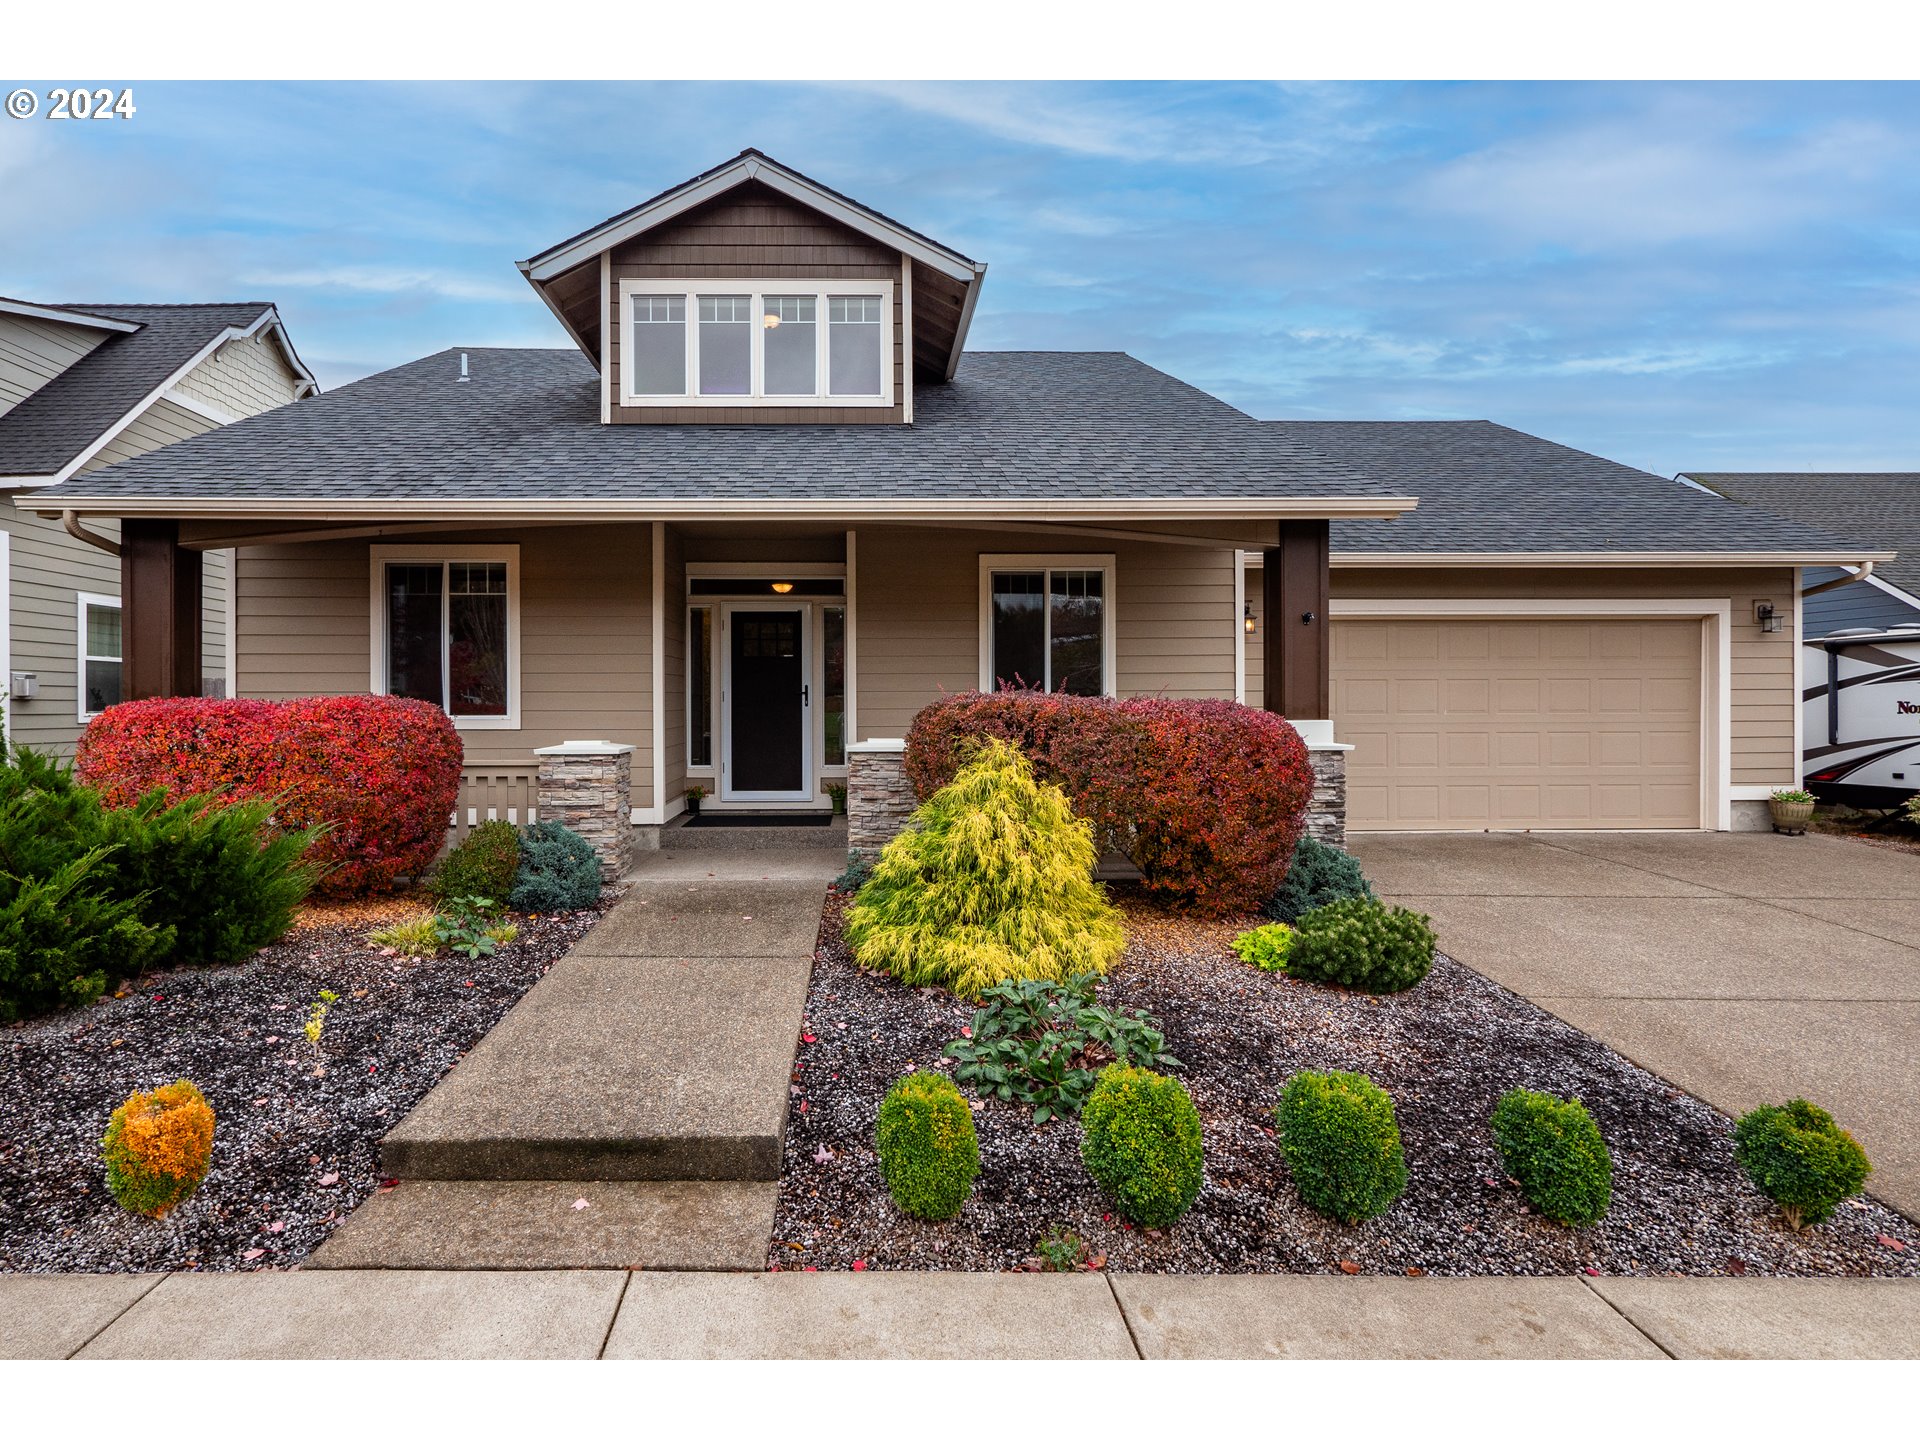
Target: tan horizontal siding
x,y
32,352
585,636
917,612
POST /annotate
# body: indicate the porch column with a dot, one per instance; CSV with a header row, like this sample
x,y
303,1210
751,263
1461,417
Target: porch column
x,y
160,611
1298,674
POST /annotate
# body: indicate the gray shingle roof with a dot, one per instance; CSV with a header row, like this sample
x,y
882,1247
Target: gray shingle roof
x,y
1013,425
1488,489
67,414
1876,509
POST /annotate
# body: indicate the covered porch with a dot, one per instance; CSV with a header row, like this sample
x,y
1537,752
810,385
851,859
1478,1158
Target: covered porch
x,y
599,669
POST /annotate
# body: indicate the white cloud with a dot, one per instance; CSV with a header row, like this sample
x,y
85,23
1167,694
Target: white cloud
x,y
390,280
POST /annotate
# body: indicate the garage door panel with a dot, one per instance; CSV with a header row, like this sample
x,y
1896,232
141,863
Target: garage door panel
x,y
1516,724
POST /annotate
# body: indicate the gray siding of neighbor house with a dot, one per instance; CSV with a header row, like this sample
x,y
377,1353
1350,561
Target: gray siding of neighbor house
x,y
50,569
1851,607
305,622
32,352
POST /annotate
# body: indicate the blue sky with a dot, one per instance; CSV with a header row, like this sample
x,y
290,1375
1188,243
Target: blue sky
x,y
1680,277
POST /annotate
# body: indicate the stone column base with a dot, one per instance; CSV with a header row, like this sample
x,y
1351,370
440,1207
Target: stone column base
x,y
587,785
879,798
1327,810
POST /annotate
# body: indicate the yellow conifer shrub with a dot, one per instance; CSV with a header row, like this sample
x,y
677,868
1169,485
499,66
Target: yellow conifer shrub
x,y
159,1147
991,880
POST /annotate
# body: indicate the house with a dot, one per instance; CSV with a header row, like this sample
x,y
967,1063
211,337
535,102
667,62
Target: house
x,y
769,505
1876,509
83,387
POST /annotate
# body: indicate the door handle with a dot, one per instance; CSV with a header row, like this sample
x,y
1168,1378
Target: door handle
x,y
805,703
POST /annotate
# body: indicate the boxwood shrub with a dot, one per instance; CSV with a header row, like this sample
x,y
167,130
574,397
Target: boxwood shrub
x,y
1140,1139
1802,1160
929,1153
1554,1149
1364,945
1342,1143
483,865
1319,875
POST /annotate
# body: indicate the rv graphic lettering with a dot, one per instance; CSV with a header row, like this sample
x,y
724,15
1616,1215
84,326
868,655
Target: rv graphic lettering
x,y
1907,707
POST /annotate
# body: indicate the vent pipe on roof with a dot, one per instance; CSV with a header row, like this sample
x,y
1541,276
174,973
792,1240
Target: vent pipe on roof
x,y
463,368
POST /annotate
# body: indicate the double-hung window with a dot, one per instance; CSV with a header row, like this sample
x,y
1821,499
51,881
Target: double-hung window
x,y
446,630
100,654
740,342
1046,623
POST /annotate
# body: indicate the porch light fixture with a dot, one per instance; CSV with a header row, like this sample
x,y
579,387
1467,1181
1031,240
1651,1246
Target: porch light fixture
x,y
1766,617
781,587
1246,619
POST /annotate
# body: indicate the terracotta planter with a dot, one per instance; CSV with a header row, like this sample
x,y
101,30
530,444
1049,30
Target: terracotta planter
x,y
1790,817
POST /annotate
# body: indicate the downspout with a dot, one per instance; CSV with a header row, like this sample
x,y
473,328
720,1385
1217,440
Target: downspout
x,y
1866,569
70,522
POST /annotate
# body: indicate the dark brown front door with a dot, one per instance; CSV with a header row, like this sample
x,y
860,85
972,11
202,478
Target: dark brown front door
x,y
768,703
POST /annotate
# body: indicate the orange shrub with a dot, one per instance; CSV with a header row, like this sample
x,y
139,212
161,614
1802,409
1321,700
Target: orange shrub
x,y
159,1147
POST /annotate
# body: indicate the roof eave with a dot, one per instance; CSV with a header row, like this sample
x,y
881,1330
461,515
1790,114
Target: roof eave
x,y
1606,559
1340,507
28,310
565,256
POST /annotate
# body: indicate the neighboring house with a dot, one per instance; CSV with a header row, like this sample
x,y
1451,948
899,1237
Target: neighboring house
x,y
83,387
1880,510
770,506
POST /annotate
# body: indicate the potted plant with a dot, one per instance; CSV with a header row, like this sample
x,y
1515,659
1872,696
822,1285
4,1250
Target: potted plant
x,y
1791,810
695,794
838,794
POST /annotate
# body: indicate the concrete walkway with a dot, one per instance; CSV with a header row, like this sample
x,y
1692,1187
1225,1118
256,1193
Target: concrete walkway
x,y
1747,968
583,1314
647,1073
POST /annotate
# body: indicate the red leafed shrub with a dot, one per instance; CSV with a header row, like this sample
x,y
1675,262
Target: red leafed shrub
x,y
1206,797
381,773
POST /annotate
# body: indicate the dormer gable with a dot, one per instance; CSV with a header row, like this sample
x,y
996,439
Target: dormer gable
x,y
753,295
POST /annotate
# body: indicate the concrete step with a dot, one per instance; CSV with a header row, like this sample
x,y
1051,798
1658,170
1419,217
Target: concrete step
x,y
541,1225
679,835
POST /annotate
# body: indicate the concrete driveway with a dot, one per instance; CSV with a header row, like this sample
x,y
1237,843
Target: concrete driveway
x,y
1746,968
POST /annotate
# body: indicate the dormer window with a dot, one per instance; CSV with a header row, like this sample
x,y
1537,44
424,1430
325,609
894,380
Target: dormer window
x,y
733,342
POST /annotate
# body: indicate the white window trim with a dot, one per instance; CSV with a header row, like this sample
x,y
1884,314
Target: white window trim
x,y
82,600
822,290
1109,609
381,556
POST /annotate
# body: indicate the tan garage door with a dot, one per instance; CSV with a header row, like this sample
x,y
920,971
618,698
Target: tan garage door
x,y
1519,724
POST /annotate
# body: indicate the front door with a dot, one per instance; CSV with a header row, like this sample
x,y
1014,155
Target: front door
x,y
766,705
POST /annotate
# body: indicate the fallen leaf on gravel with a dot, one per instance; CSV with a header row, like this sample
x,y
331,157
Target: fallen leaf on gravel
x,y
253,1254
332,1177
1415,1271
1347,1267
582,1204
263,1100
1097,1262
1493,1182
1736,1266
859,1264
808,1038
1591,1271
822,1156
1890,1242
279,1227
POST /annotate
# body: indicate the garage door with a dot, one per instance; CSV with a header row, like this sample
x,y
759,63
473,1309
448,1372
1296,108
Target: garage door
x,y
1519,724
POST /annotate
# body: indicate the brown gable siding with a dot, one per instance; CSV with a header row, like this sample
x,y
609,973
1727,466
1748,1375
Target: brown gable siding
x,y
753,233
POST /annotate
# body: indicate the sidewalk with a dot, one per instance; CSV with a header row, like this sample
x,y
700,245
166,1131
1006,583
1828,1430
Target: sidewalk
x,y
616,1314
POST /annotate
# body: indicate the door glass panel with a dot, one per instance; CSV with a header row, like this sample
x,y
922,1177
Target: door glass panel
x,y
788,333
477,638
1076,639
1019,629
659,359
833,626
726,344
700,686
413,632
766,711
853,342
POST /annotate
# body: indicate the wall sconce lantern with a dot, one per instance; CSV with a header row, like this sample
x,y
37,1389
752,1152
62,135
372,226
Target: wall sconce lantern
x,y
1246,619
1766,617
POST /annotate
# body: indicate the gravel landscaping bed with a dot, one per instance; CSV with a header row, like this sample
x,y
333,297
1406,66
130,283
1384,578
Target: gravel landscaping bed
x,y
1446,1050
297,1126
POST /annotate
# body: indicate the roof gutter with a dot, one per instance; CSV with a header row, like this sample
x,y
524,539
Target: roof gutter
x,y
1866,569
70,522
